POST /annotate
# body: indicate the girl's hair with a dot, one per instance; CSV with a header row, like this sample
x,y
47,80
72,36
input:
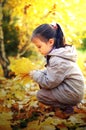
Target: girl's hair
x,y
47,31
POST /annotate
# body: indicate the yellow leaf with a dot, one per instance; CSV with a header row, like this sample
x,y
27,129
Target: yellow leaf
x,y
34,125
19,95
5,118
22,66
48,127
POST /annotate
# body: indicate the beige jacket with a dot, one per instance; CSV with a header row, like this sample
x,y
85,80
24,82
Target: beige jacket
x,y
62,76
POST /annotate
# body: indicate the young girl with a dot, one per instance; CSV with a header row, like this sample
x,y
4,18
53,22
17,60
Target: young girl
x,y
61,83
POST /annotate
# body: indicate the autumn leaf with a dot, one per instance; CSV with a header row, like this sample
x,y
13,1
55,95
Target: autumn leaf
x,y
22,66
47,127
5,118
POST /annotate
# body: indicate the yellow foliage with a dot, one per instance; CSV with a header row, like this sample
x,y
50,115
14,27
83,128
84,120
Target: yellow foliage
x,y
1,71
82,62
22,66
5,118
33,12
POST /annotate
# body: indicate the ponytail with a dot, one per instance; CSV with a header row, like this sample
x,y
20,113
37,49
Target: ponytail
x,y
59,36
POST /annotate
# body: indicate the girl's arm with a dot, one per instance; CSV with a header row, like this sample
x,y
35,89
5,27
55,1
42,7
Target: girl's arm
x,y
51,77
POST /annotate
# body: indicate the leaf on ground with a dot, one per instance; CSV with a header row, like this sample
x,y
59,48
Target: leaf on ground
x,y
5,118
76,119
47,127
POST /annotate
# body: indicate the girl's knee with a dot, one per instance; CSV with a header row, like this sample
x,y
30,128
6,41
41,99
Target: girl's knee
x,y
42,96
39,95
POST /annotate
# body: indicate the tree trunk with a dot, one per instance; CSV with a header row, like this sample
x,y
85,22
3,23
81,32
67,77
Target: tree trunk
x,y
3,58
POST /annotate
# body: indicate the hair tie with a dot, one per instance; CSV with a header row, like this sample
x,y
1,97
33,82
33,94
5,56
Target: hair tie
x,y
54,25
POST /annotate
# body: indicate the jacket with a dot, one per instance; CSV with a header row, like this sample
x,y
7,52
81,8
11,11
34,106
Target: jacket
x,y
62,75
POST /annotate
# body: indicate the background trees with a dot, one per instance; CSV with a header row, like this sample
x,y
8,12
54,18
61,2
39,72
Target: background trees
x,y
3,58
19,18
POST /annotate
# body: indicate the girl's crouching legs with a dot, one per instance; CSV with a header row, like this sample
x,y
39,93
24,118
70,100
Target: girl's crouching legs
x,y
46,97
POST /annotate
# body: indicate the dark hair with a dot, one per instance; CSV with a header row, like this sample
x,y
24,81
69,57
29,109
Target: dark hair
x,y
47,31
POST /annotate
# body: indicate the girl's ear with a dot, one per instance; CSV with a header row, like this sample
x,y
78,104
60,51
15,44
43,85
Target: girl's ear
x,y
51,41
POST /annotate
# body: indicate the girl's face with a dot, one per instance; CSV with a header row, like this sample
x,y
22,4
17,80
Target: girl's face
x,y
43,47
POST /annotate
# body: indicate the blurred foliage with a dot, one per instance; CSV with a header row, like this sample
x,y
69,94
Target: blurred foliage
x,y
10,33
83,46
81,61
69,14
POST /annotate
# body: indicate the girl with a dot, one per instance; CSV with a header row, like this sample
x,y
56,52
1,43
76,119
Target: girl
x,y
61,83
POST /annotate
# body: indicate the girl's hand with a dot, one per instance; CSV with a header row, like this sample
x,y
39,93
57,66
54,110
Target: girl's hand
x,y
32,73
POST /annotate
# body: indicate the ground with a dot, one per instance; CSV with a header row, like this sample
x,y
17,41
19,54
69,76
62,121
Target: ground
x,y
19,109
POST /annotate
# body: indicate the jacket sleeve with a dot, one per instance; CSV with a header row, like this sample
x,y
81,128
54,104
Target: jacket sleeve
x,y
51,77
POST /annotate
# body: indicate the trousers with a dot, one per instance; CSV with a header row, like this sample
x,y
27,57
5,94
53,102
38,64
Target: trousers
x,y
46,97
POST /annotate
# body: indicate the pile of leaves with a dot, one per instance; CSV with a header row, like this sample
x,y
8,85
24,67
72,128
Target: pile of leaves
x,y
19,109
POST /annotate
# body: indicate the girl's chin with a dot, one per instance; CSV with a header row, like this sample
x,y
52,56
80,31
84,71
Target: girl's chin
x,y
43,54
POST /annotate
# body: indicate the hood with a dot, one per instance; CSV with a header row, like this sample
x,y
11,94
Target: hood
x,y
68,52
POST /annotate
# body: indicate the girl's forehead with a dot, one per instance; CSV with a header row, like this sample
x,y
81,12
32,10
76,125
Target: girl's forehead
x,y
35,39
